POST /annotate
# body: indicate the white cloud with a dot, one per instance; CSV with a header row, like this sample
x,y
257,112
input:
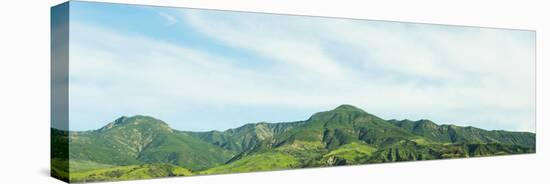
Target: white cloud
x,y
469,76
469,67
170,20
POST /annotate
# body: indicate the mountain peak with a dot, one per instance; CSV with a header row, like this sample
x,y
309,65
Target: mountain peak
x,y
137,120
346,107
344,110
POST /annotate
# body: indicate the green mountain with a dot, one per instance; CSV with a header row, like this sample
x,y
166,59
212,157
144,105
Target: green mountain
x,y
143,139
145,147
456,134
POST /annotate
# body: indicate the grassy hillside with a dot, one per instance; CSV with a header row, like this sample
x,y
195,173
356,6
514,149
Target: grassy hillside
x,y
257,162
457,134
142,139
144,147
143,171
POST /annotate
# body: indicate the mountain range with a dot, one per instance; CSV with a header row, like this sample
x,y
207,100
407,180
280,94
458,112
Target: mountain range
x,y
141,147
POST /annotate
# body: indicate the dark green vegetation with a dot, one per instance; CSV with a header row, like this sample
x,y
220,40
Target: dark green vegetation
x,y
144,147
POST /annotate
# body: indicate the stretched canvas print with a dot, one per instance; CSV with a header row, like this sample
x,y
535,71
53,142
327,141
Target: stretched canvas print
x,y
146,92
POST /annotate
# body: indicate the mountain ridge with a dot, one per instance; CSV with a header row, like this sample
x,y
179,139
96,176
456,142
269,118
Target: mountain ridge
x,y
340,108
345,135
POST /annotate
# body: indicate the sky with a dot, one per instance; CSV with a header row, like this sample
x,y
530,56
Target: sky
x,y
205,70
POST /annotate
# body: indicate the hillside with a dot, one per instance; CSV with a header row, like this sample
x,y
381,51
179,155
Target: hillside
x,y
143,147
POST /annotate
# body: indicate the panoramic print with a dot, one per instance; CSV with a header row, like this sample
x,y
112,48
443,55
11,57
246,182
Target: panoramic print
x,y
159,92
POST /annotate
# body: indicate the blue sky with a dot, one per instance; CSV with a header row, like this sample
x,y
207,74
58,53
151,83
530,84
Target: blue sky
x,y
214,70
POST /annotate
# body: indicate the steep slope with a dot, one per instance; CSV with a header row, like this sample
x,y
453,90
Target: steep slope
x,y
143,139
247,137
347,124
310,141
348,135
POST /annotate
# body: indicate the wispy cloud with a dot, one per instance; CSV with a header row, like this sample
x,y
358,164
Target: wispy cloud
x,y
468,76
170,20
425,70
